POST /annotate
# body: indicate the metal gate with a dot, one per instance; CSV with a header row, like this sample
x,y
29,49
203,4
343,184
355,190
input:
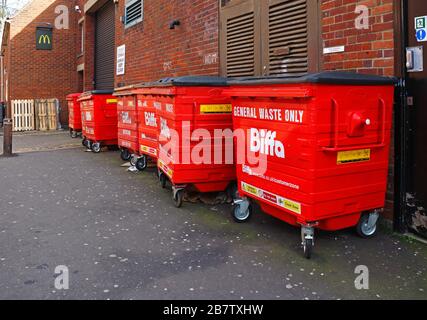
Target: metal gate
x,y
23,115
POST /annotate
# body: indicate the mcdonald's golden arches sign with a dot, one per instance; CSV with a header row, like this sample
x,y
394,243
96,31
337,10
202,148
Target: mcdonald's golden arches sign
x,y
44,38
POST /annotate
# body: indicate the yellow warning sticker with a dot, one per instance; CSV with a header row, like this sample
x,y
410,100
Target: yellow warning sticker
x,y
165,169
272,198
345,157
111,101
216,108
150,151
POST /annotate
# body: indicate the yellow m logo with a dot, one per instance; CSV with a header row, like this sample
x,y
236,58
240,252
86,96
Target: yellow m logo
x,y
44,38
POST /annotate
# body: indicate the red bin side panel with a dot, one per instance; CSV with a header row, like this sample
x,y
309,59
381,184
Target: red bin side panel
x,y
184,110
325,150
74,114
99,118
127,114
148,125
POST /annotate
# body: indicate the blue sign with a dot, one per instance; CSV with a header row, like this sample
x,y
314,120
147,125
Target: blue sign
x,y
421,35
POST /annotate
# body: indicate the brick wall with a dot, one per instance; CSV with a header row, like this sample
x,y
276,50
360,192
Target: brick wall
x,y
366,51
35,74
153,51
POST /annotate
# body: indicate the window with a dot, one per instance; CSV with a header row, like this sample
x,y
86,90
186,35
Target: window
x,y
269,37
134,12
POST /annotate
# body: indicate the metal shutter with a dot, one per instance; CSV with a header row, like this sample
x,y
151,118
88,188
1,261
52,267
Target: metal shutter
x,y
269,37
287,37
240,40
241,45
105,47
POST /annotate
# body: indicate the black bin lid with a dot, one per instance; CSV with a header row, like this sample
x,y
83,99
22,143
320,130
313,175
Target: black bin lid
x,y
332,77
192,81
100,92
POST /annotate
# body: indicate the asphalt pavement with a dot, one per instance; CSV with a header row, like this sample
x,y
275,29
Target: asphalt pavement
x,y
120,237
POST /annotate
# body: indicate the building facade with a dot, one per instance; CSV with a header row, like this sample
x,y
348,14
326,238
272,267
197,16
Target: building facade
x,y
35,73
116,43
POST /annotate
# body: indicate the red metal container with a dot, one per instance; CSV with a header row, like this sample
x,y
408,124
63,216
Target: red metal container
x,y
323,141
99,119
148,126
127,115
74,115
183,106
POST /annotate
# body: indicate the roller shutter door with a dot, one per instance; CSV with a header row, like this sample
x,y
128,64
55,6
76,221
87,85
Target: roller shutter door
x,y
105,47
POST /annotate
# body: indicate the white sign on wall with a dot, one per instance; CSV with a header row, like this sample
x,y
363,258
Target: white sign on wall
x,y
121,60
334,50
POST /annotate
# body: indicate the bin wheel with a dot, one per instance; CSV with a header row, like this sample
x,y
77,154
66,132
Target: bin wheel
x,y
365,229
308,248
84,142
133,160
178,197
163,180
73,134
242,212
125,155
141,163
96,147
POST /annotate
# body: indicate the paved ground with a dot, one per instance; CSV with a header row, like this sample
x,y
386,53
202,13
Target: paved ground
x,y
121,238
40,141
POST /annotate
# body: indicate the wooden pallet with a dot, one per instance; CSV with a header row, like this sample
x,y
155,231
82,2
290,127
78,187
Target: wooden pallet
x,y
23,115
46,114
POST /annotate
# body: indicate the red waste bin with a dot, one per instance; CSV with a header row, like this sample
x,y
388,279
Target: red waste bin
x,y
186,106
74,115
148,127
323,143
99,119
127,115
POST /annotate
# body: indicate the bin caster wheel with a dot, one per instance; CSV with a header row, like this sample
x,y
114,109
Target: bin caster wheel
x,y
96,147
242,211
125,155
133,160
141,163
178,197
308,248
84,142
307,236
367,226
162,179
73,134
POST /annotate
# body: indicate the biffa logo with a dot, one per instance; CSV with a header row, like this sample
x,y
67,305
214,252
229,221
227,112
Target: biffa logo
x,y
264,142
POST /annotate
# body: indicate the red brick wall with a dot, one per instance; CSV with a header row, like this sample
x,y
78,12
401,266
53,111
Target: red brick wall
x,y
366,51
35,74
153,51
